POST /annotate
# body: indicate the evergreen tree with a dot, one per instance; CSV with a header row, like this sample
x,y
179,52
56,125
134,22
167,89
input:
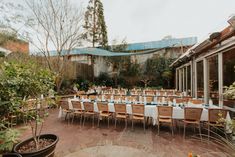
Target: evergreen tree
x,y
95,26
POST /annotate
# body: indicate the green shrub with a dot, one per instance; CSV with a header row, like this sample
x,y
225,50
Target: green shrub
x,y
104,80
20,80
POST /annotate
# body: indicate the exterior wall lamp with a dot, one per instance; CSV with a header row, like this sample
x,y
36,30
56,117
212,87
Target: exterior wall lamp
x,y
231,21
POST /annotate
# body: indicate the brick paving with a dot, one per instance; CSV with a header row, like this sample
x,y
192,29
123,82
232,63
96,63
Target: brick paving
x,y
88,141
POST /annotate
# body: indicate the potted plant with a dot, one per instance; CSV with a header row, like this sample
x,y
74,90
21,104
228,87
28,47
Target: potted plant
x,y
8,137
27,80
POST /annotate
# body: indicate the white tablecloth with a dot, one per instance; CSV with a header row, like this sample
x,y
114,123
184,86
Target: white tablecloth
x,y
150,111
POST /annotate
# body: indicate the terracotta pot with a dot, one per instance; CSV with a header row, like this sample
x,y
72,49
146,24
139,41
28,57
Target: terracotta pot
x,y
47,151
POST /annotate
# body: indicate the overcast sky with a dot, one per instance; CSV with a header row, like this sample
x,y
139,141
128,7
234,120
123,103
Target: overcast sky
x,y
149,20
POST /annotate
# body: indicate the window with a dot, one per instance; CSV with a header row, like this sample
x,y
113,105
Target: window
x,y
213,84
189,79
200,85
229,73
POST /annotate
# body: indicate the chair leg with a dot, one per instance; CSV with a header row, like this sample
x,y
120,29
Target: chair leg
x,y
126,123
108,122
158,128
115,122
93,120
84,120
81,120
172,129
144,124
66,115
132,124
99,121
208,132
199,127
73,118
184,129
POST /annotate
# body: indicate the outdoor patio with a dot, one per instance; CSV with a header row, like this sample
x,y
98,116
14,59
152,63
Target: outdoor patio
x,y
88,141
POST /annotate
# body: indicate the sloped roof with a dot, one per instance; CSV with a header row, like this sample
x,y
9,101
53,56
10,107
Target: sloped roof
x,y
100,52
162,43
146,47
206,43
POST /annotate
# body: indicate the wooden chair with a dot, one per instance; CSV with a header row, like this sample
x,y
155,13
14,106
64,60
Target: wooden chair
x,y
120,113
216,118
89,111
77,110
150,92
192,116
92,97
169,93
180,100
138,111
196,101
108,96
84,97
169,99
103,112
149,99
162,100
64,104
165,116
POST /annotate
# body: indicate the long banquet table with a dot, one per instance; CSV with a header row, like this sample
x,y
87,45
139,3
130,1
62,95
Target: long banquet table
x,y
150,110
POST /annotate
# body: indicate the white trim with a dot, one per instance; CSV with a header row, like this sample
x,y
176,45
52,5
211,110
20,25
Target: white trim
x,y
221,49
191,77
180,80
186,81
195,79
183,70
205,80
220,78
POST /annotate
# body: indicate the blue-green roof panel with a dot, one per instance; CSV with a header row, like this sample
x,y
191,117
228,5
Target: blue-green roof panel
x,y
162,44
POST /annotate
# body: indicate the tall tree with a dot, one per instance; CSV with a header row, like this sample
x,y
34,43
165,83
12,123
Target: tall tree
x,y
95,26
57,26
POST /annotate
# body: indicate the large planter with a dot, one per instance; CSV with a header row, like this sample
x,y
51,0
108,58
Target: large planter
x,y
47,151
11,155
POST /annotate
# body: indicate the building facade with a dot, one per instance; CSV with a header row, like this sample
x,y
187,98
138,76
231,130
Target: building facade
x,y
138,52
208,67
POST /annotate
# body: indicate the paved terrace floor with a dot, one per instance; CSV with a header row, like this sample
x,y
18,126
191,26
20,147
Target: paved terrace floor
x,y
104,142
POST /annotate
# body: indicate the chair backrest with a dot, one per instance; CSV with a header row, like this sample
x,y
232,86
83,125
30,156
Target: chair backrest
x,y
161,99
215,114
169,99
138,109
165,111
64,104
76,105
161,93
103,106
150,92
120,108
84,96
116,97
191,113
149,99
108,96
178,93
169,93
92,97
88,106
196,101
181,100
133,98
